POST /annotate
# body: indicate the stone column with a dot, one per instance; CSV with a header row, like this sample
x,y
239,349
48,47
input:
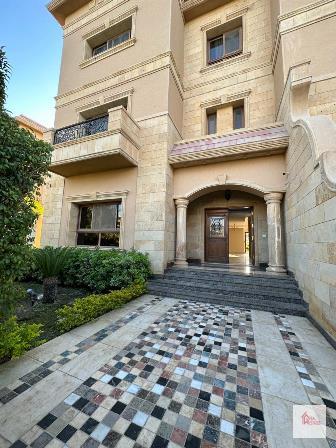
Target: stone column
x,y
276,261
181,231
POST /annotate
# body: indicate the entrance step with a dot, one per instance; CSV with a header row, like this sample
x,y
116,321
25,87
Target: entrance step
x,y
258,290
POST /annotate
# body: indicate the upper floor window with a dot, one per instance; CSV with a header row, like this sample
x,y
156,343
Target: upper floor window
x,y
238,117
110,38
212,123
112,43
227,44
99,224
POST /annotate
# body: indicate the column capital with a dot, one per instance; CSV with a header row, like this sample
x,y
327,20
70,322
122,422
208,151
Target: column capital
x,y
273,198
181,203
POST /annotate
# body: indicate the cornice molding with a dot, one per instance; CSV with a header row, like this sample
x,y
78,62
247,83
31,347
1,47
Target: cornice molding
x,y
97,196
77,24
300,18
153,65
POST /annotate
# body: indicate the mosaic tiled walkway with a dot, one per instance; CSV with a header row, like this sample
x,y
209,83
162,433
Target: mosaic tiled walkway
x,y
24,383
190,379
316,390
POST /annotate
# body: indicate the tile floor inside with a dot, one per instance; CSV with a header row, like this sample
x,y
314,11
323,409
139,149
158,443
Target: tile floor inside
x,y
167,373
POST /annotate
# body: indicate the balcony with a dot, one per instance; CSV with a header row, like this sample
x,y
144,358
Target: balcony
x,y
60,9
100,144
240,144
195,8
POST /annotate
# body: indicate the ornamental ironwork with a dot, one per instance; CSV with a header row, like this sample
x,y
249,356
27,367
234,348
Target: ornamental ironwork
x,y
75,131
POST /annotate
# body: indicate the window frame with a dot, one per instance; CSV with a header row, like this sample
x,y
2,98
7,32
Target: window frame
x,y
108,43
234,108
208,115
225,55
100,231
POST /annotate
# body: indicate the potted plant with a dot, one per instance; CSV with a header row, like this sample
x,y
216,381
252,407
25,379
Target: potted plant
x,y
50,261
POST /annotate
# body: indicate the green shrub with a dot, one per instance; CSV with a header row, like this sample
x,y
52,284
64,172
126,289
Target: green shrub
x,y
97,270
88,308
16,338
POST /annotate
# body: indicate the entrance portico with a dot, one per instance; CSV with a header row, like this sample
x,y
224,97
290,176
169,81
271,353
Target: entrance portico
x,y
203,231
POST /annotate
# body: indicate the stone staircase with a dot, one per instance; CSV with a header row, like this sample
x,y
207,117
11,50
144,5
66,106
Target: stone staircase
x,y
258,290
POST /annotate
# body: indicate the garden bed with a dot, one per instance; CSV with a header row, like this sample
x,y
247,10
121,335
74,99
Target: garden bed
x,y
45,313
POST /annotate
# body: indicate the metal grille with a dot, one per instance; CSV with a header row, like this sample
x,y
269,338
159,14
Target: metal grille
x,y
83,129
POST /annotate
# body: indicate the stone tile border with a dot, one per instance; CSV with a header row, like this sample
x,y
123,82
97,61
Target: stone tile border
x,y
317,391
190,379
25,382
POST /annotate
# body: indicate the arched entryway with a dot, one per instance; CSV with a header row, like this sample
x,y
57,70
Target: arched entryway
x,y
230,224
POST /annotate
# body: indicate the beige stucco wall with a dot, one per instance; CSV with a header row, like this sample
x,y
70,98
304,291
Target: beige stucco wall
x,y
260,174
196,221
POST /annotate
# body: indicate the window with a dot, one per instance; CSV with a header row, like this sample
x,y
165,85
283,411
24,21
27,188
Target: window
x,y
99,225
225,45
112,43
212,123
238,117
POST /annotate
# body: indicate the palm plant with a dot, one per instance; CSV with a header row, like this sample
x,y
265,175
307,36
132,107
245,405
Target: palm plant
x,y
50,262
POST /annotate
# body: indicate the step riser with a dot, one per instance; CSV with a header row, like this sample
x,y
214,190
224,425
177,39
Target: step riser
x,y
260,292
223,274
218,287
242,297
231,279
272,309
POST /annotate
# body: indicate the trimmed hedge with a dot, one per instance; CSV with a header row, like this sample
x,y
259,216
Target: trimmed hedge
x,y
16,338
88,308
97,270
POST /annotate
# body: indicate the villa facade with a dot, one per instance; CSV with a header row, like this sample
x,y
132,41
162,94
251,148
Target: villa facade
x,y
200,131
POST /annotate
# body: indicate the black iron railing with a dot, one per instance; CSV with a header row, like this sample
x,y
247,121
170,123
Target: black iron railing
x,y
75,131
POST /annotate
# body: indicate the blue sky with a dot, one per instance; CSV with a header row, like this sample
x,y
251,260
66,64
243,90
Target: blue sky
x,y
33,42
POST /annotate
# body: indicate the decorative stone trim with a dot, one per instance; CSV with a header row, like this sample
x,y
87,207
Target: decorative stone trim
x,y
225,99
243,143
87,106
219,65
80,21
239,13
95,31
123,16
210,25
127,44
299,18
98,196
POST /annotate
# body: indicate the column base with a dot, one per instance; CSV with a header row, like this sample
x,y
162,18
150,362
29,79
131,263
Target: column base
x,y
181,263
277,269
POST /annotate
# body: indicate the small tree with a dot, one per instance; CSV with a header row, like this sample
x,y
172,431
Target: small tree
x,y
50,262
24,162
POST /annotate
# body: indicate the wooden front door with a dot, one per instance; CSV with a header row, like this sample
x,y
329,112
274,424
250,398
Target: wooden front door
x,y
217,235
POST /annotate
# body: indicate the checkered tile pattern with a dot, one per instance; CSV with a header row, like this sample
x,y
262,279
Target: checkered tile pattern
x,y
317,391
190,380
27,381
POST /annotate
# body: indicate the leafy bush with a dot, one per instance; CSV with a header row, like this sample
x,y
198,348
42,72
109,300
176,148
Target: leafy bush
x,y
16,338
50,261
99,270
88,308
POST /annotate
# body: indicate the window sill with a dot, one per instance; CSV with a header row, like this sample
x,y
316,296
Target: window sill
x,y
123,46
98,247
224,62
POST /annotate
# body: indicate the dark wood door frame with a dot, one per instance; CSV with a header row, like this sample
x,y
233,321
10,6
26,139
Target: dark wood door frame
x,y
226,212
217,247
